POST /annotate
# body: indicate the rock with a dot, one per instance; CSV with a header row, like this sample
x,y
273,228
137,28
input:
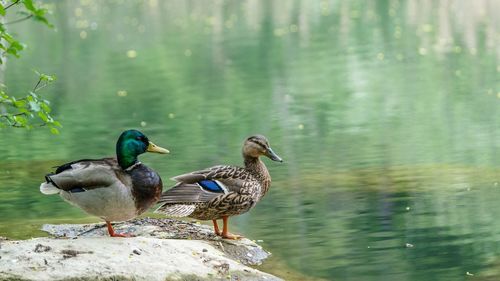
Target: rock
x,y
164,249
243,250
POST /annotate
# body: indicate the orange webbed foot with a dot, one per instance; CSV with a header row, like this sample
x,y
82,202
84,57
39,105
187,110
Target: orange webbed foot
x,y
225,233
121,235
112,232
231,236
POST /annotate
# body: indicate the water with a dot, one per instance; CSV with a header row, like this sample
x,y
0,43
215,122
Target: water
x,y
386,113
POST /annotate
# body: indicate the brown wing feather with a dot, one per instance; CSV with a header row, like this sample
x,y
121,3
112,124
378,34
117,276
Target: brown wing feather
x,y
197,176
235,179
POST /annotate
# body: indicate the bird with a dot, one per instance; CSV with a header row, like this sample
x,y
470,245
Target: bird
x,y
222,191
114,189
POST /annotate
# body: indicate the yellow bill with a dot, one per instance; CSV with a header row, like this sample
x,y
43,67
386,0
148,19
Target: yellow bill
x,y
156,149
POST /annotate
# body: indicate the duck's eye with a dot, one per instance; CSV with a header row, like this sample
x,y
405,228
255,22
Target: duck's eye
x,y
139,138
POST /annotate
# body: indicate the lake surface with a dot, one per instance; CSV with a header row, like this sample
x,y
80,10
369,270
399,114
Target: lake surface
x,y
386,113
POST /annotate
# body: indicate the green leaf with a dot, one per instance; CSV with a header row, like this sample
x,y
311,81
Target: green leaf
x,y
29,5
45,107
16,45
56,123
2,10
43,116
7,37
48,78
13,52
20,103
54,131
20,120
44,20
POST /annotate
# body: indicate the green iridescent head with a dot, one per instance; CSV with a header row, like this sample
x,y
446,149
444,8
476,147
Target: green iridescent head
x,y
131,144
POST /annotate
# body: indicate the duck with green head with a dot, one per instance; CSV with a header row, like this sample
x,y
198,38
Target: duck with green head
x,y
114,189
220,192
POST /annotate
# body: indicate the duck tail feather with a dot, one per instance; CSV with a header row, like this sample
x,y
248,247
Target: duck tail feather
x,y
48,188
176,210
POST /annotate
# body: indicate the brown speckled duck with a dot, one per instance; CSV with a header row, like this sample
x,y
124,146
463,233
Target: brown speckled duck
x,y
220,192
114,189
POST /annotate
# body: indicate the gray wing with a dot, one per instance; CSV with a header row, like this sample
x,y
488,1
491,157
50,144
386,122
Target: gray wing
x,y
86,174
230,179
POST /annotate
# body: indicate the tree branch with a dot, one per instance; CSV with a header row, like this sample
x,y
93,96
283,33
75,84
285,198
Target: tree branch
x,y
11,4
41,87
9,115
21,113
19,20
37,83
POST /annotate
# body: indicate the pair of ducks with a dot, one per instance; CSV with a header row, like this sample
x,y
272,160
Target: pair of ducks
x,y
121,188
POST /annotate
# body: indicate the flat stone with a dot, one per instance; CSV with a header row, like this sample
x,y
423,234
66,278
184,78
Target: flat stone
x,y
163,249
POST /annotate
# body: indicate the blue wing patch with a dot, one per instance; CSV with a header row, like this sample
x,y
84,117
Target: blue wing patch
x,y
211,186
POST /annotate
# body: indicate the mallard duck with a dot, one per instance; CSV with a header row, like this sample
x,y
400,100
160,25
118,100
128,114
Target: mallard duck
x,y
220,192
114,189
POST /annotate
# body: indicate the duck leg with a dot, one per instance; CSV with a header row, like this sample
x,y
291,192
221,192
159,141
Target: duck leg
x,y
112,232
216,228
225,233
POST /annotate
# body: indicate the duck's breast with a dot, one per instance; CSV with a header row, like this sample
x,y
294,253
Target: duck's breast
x,y
146,187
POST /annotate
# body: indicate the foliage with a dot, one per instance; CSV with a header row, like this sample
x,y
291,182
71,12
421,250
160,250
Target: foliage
x,y
22,112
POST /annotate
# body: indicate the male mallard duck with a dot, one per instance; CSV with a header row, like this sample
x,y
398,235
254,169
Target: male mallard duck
x,y
222,191
112,189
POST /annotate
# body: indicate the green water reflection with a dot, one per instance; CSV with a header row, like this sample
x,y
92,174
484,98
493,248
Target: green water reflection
x,y
386,113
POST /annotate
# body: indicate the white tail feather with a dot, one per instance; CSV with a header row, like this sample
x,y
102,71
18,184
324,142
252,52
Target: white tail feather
x,y
176,210
49,189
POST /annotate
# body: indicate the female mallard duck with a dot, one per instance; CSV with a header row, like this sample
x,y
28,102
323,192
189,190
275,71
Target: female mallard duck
x,y
112,189
222,191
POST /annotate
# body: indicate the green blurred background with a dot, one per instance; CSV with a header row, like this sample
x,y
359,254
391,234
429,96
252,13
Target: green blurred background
x,y
385,112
